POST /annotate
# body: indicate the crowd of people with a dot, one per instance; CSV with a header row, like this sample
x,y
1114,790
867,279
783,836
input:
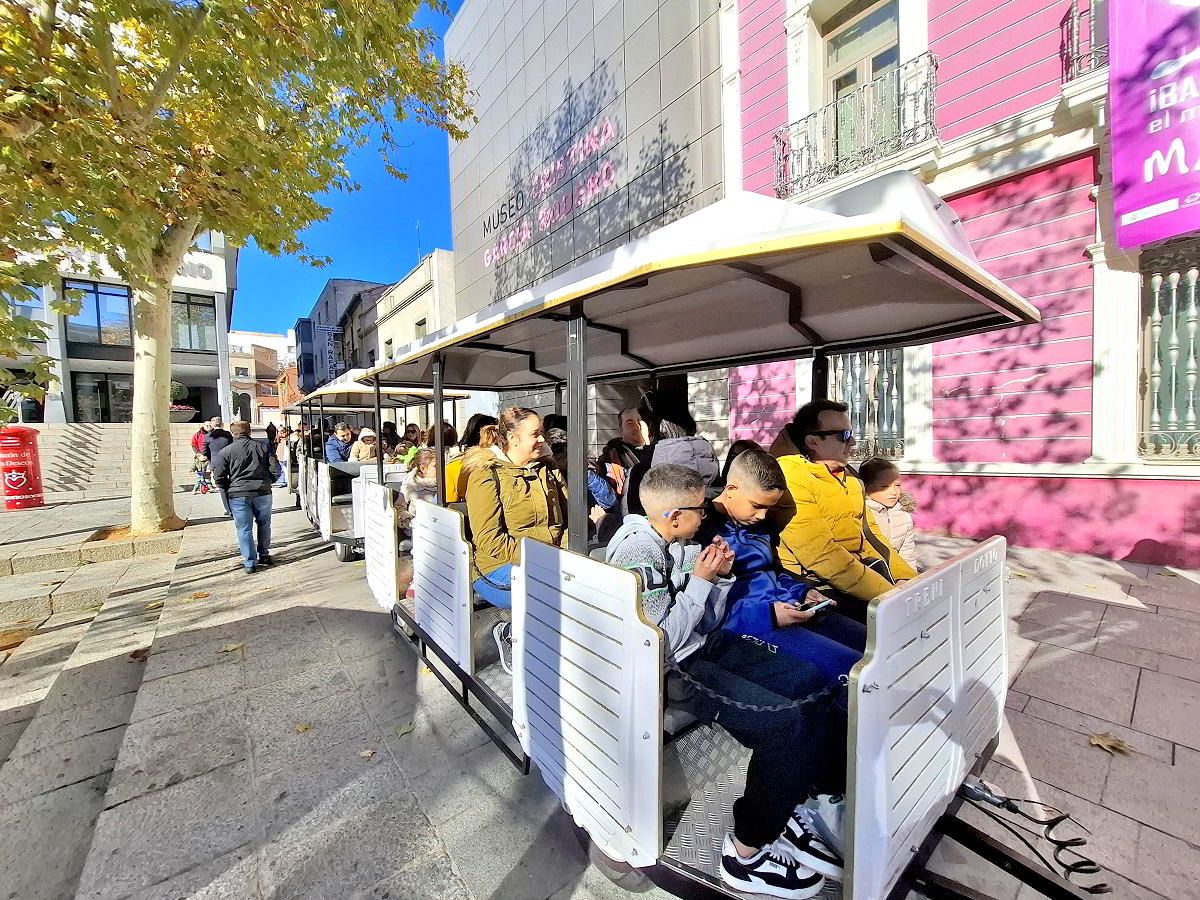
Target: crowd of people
x,y
759,572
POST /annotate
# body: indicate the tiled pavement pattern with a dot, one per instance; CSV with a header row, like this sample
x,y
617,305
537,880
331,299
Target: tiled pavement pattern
x,y
283,743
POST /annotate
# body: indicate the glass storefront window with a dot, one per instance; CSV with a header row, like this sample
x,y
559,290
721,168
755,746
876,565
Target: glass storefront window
x,y
193,322
102,398
104,313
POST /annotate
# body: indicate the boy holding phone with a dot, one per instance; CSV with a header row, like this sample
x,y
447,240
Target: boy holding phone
x,y
765,601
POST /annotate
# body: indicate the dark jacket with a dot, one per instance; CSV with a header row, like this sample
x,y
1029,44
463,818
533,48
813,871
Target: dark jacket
x,y
216,441
337,450
246,468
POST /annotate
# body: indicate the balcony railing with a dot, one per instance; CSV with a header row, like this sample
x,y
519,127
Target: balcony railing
x,y
872,385
1170,353
1084,38
877,121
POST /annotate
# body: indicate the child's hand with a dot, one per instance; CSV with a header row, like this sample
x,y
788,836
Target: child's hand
x,y
708,564
726,553
791,614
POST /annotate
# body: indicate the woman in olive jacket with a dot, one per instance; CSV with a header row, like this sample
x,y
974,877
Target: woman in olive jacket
x,y
515,494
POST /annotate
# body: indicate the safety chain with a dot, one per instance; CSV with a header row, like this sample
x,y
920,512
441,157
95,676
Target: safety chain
x,y
821,694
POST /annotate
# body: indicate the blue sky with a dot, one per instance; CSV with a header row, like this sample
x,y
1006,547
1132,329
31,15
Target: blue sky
x,y
370,235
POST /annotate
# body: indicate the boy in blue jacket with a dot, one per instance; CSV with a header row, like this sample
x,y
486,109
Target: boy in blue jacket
x,y
766,602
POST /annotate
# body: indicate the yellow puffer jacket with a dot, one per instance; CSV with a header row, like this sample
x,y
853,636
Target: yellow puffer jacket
x,y
507,502
821,521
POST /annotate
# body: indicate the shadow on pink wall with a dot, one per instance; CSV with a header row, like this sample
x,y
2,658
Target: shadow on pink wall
x,y
1142,521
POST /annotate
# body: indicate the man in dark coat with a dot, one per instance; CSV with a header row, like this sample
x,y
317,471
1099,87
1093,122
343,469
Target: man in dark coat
x,y
245,471
214,442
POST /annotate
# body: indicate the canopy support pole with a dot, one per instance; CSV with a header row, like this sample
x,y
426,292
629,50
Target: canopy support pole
x,y
321,402
439,371
577,422
558,399
378,432
820,375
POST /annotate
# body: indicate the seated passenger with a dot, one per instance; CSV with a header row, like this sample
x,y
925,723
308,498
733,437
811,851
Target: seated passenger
x,y
684,591
421,481
389,437
887,502
456,479
338,444
514,494
366,448
600,491
412,433
828,537
766,602
674,441
623,450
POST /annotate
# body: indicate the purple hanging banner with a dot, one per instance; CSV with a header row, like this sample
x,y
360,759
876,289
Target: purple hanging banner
x,y
1154,118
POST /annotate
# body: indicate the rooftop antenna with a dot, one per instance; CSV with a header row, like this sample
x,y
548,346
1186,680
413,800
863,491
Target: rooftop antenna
x,y
419,257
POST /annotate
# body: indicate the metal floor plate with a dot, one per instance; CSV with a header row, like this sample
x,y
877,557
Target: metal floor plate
x,y
713,768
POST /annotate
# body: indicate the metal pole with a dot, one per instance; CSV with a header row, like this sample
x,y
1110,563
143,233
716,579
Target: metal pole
x,y
378,432
321,402
439,370
558,399
454,415
577,509
820,375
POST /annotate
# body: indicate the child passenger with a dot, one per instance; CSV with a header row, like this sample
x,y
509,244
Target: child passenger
x,y
881,479
796,750
765,601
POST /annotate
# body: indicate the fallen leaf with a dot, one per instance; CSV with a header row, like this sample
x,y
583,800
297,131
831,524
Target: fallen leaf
x,y
402,730
1018,574
1170,574
139,655
1109,743
366,754
231,648
158,605
199,595
303,727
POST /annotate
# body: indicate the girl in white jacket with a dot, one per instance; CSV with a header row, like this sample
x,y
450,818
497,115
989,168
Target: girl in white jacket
x,y
421,481
886,501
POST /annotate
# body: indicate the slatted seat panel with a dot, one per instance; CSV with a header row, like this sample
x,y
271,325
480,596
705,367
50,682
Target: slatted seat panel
x,y
380,544
587,696
924,703
324,504
289,476
441,580
302,482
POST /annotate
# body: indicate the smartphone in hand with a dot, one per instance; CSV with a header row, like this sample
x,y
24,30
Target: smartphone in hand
x,y
814,606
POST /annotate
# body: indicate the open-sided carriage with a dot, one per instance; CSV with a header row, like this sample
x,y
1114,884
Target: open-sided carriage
x,y
331,494
748,279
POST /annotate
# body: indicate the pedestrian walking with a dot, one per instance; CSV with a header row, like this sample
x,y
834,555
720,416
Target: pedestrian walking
x,y
271,432
215,441
245,471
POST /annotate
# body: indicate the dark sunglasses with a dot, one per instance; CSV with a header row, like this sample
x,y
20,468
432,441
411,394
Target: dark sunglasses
x,y
699,510
843,435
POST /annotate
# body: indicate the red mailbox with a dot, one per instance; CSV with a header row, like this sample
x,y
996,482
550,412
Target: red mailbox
x,y
20,467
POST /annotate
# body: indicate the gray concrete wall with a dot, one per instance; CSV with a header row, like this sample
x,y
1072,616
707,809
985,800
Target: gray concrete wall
x,y
599,120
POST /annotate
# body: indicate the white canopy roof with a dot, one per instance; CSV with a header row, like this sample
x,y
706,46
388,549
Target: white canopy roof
x,y
346,394
746,279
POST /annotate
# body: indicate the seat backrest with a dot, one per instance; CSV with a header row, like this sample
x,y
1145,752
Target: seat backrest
x,y
587,696
380,543
442,581
925,701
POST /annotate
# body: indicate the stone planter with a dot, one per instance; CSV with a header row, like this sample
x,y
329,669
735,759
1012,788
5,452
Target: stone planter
x,y
182,415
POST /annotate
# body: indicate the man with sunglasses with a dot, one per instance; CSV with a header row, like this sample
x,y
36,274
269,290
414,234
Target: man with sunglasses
x,y
828,536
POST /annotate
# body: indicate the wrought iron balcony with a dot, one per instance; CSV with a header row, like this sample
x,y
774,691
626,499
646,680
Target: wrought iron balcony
x,y
879,120
1084,38
871,383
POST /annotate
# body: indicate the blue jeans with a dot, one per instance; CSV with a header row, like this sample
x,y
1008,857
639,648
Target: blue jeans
x,y
246,512
795,752
492,594
830,641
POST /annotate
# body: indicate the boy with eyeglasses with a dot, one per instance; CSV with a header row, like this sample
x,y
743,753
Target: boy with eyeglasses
x,y
797,750
828,537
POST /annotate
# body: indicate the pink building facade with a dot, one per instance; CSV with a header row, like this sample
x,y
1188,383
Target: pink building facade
x,y
1079,433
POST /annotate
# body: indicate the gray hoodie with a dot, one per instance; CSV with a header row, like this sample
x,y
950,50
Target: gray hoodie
x,y
683,605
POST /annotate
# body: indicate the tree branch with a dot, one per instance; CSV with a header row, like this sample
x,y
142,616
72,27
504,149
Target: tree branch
x,y
108,63
162,83
49,22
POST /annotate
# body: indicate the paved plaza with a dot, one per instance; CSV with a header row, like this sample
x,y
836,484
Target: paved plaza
x,y
176,729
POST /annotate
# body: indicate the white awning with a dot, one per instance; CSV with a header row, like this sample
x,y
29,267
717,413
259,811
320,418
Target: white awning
x,y
746,279
346,394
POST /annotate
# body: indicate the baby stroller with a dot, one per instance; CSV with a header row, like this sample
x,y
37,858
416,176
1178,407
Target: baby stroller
x,y
203,473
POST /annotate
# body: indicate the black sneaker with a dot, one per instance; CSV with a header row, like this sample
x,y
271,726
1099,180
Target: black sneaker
x,y
249,570
809,847
266,560
774,870
502,634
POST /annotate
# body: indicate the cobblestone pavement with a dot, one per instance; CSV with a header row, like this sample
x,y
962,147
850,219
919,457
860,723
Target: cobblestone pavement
x,y
269,736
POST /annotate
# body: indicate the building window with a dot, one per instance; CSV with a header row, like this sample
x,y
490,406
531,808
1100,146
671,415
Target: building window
x,y
26,304
872,385
104,314
1170,352
241,371
420,329
370,358
102,398
203,241
193,322
387,349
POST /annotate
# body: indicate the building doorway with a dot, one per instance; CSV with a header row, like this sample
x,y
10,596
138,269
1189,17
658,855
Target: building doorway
x,y
102,398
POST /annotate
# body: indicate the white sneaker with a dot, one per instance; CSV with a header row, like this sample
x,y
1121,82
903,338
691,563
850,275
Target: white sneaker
x,y
502,635
828,819
774,870
808,845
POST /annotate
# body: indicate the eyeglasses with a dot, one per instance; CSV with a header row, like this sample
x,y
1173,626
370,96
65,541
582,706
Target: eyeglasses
x,y
845,436
698,510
